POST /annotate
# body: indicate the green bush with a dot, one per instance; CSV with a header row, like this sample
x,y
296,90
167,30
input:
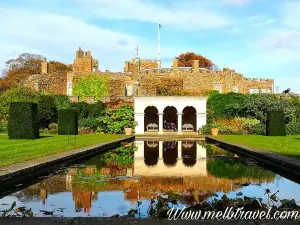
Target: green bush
x,y
47,111
258,105
3,126
16,95
23,121
256,129
275,124
53,128
92,123
116,120
62,102
293,128
85,110
67,122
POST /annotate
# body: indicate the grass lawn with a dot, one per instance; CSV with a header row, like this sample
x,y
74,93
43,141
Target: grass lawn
x,y
287,146
13,151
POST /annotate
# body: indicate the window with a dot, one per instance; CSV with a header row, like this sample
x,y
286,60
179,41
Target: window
x,y
128,90
253,91
235,89
69,88
217,87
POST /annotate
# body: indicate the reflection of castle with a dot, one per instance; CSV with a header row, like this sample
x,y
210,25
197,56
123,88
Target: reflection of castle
x,y
182,169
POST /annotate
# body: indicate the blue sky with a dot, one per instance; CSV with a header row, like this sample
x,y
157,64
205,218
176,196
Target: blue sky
x,y
258,38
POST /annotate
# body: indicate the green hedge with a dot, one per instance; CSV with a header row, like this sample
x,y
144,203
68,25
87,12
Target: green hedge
x,y
275,124
23,121
67,122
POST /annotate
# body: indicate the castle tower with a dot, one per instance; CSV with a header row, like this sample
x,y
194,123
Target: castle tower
x,y
45,67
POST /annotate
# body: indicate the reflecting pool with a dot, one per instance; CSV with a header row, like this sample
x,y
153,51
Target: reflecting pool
x,y
129,177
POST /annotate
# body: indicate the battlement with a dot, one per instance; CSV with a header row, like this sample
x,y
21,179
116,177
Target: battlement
x,y
83,54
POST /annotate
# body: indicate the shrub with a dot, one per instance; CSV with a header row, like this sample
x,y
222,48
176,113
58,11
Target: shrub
x,y
226,106
85,130
23,121
238,125
88,110
53,128
92,123
258,105
256,129
293,128
47,111
16,95
114,121
62,102
275,124
67,122
3,126
206,129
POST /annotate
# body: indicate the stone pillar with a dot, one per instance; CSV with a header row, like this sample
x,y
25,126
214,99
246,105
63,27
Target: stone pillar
x,y
175,64
160,123
160,149
139,118
195,64
179,149
45,67
201,120
179,123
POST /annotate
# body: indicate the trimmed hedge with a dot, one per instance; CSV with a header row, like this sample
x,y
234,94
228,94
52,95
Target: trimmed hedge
x,y
23,121
275,124
67,122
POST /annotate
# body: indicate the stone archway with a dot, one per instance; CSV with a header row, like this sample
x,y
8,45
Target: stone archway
x,y
151,153
170,114
189,153
189,119
151,119
170,153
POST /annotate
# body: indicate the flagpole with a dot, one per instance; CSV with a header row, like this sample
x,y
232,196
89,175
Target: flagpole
x,y
158,47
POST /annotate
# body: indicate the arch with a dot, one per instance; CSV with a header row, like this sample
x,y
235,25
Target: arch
x,y
170,115
170,153
189,118
151,153
189,153
151,117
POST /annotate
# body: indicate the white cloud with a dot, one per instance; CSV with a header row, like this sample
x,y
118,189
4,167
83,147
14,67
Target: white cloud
x,y
187,15
263,23
57,37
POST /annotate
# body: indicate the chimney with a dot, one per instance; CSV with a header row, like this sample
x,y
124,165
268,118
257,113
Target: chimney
x,y
175,64
195,64
45,67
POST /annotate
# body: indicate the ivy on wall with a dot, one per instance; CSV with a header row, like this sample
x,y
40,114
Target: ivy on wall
x,y
92,85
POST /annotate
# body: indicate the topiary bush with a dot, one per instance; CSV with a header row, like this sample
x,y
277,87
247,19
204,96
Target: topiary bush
x,y
23,121
67,122
275,124
293,128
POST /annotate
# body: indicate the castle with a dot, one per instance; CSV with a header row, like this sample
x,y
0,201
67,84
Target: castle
x,y
144,78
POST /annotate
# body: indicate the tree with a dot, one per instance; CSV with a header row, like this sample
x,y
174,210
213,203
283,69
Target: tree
x,y
58,67
19,69
186,60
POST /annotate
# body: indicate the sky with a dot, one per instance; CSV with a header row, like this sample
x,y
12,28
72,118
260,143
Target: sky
x,y
258,38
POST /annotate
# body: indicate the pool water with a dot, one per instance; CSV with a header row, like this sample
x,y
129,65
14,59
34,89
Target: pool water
x,y
129,177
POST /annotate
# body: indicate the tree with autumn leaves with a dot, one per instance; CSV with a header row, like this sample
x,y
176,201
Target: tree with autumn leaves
x,y
19,69
186,60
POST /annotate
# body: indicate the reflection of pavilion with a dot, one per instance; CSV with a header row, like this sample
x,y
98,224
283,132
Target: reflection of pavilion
x,y
162,159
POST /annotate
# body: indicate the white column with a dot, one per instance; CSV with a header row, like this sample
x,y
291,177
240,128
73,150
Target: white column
x,y
160,123
179,115
160,150
179,148
139,118
201,120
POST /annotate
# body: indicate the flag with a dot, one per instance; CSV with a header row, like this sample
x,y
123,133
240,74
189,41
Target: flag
x,y
159,25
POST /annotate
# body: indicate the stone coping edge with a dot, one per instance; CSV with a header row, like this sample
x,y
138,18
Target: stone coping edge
x,y
285,163
82,153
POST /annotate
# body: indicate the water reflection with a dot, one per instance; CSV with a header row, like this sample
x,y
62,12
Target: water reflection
x,y
116,181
